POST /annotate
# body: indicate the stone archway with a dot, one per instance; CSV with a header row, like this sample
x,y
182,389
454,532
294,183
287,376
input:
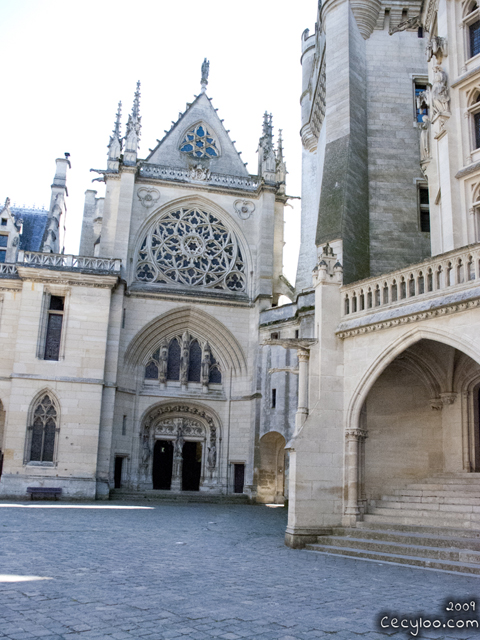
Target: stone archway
x,y
419,419
178,449
271,472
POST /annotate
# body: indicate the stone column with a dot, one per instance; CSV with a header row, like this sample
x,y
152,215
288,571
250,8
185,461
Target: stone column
x,y
353,437
302,409
178,458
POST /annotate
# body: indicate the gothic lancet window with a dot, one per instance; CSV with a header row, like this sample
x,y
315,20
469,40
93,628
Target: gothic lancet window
x,y
199,143
173,366
191,247
151,370
474,33
215,373
195,362
195,357
54,328
43,431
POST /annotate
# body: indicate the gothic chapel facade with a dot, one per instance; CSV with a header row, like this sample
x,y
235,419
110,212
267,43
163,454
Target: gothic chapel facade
x,y
133,364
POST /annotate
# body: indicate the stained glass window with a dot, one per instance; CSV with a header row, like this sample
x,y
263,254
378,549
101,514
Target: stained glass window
x,y
173,365
195,362
54,328
199,143
476,121
151,370
191,247
215,373
474,30
43,431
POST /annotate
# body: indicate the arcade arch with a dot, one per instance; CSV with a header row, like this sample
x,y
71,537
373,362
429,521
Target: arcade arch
x,y
417,415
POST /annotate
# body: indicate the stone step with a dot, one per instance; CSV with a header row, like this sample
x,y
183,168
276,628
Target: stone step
x,y
400,517
452,553
417,495
378,524
184,496
445,565
444,511
441,486
445,538
452,507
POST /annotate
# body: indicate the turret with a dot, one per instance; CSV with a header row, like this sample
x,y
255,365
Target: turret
x,y
51,236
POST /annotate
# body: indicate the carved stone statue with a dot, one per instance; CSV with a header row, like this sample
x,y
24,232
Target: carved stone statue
x,y
179,442
199,173
163,364
425,138
437,47
146,450
184,358
206,360
212,456
205,70
440,94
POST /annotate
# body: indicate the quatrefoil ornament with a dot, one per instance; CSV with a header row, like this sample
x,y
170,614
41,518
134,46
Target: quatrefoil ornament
x,y
244,208
148,197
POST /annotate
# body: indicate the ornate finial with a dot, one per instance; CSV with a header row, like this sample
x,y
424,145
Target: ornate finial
x,y
134,126
115,143
205,70
7,203
116,130
280,146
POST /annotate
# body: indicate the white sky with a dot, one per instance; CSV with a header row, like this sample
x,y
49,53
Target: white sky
x,y
66,64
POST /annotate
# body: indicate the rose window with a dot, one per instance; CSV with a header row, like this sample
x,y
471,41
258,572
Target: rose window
x,y
194,248
199,143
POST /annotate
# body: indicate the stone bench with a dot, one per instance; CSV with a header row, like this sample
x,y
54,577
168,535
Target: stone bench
x,y
49,491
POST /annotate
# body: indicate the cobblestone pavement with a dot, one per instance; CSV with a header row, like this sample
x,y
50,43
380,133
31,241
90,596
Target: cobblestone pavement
x,y
198,571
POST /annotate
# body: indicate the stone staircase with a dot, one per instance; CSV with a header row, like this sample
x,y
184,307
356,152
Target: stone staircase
x,y
152,495
434,523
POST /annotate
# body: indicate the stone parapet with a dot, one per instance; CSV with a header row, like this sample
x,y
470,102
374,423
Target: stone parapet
x,y
448,279
62,261
199,176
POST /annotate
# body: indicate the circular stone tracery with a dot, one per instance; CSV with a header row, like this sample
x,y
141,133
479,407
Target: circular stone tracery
x,y
191,247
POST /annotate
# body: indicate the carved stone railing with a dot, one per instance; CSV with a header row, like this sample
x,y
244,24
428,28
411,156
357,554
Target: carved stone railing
x,y
184,175
447,273
8,269
63,261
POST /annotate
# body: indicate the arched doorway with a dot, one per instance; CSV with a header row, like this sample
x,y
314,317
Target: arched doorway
x,y
179,446
419,421
271,472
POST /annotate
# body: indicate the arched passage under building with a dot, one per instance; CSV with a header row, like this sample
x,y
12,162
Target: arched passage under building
x,y
271,471
419,420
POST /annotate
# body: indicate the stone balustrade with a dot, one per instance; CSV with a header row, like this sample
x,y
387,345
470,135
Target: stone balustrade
x,y
184,175
63,261
447,273
8,269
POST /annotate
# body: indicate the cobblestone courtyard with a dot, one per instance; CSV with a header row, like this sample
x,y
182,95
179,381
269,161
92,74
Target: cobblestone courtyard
x,y
196,571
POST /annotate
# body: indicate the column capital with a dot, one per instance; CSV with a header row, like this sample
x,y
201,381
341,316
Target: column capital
x,y
356,434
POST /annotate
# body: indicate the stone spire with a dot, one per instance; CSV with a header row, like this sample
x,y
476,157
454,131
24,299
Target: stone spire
x,y
266,153
115,144
132,135
205,71
280,166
